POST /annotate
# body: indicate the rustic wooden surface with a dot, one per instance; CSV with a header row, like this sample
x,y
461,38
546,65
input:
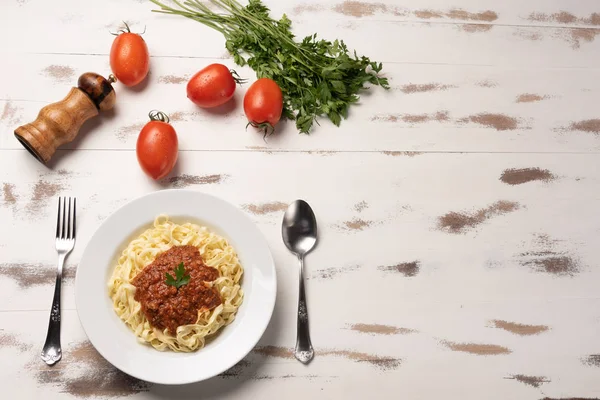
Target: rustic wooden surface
x,y
461,205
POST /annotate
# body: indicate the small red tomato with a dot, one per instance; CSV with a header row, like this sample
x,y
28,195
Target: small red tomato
x,y
129,58
263,103
157,146
212,86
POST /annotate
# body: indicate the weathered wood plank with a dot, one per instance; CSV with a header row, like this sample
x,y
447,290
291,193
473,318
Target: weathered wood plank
x,y
507,12
535,364
418,222
479,34
429,108
531,13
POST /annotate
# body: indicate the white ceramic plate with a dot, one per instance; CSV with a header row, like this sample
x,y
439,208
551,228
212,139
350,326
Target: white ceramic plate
x,y
113,339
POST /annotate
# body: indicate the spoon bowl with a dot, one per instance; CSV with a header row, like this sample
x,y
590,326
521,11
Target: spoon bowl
x,y
299,228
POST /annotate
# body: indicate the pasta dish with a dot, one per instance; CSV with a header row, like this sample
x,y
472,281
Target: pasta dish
x,y
176,285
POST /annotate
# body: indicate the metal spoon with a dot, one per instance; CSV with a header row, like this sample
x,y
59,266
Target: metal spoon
x,y
299,230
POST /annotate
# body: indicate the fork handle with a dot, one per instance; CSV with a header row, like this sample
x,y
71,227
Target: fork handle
x,y
52,351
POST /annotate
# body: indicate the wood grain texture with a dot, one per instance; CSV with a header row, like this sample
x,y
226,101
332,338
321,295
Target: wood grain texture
x,y
463,282
406,118
458,244
513,29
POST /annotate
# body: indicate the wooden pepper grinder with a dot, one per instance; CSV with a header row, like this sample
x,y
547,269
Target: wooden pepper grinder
x,y
59,123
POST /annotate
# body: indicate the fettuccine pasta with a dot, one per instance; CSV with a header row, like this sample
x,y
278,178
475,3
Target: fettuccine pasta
x,y
140,252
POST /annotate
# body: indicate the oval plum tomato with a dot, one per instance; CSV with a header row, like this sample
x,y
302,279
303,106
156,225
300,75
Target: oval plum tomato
x,y
212,86
157,146
129,58
263,104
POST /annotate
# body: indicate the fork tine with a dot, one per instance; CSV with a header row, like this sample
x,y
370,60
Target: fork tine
x,y
64,220
58,220
68,234
74,214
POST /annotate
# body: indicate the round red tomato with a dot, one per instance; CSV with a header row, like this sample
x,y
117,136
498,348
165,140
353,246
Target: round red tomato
x,y
157,147
263,103
129,58
212,86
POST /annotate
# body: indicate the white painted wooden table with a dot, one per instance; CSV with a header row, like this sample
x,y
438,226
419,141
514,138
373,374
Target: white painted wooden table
x,y
441,273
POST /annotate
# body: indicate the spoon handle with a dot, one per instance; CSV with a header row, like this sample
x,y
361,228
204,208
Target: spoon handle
x,y
304,350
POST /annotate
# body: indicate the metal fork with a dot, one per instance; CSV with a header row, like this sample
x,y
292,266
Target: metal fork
x,y
65,241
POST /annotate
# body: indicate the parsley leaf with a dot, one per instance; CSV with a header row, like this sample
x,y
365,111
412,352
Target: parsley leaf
x,y
180,277
317,77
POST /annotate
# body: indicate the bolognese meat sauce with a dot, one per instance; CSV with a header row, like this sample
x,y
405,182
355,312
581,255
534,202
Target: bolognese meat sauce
x,y
166,306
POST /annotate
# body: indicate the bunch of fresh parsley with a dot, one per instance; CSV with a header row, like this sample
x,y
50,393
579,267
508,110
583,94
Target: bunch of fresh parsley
x,y
316,77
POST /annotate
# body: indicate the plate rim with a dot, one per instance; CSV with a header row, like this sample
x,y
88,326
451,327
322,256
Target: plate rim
x,y
272,298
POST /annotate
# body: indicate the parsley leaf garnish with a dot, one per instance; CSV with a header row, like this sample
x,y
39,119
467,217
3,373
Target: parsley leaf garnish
x,y
180,277
317,77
